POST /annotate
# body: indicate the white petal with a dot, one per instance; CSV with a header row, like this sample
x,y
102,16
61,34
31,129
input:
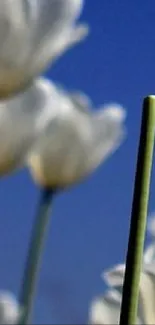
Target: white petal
x,y
105,310
15,44
15,32
19,125
147,298
54,16
81,101
151,226
149,255
56,31
10,311
114,277
54,47
108,133
146,311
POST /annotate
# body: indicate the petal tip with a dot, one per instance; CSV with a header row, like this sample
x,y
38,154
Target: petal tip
x,y
114,276
116,112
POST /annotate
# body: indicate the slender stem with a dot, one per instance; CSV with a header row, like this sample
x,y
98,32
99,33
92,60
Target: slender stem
x,y
34,255
138,215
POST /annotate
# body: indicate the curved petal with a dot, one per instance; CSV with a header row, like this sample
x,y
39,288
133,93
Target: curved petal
x,y
19,125
114,277
15,31
81,101
108,133
106,309
15,40
10,311
54,47
55,15
146,313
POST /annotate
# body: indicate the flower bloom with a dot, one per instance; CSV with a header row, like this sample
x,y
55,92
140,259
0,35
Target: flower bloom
x,y
57,134
106,309
32,34
10,311
74,139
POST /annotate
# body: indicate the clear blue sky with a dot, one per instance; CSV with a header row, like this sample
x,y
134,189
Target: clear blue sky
x,y
89,225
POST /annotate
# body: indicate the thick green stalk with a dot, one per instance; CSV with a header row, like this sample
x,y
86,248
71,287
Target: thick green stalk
x,y
138,215
34,255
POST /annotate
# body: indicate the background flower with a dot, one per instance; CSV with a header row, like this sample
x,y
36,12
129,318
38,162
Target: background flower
x,y
32,34
58,128
74,140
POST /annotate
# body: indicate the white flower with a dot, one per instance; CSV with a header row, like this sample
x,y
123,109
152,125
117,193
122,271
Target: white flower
x,y
56,134
10,311
106,309
74,140
32,34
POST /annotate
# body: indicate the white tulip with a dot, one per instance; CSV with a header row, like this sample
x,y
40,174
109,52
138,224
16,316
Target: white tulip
x,y
10,311
56,134
106,309
33,33
74,140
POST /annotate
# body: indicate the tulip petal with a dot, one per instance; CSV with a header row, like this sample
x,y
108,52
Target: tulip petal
x,y
56,31
146,313
81,101
147,298
19,124
149,255
114,277
108,133
106,309
10,311
15,33
55,15
55,47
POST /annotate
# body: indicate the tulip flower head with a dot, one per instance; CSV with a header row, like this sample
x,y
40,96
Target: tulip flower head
x,y
57,134
74,139
34,33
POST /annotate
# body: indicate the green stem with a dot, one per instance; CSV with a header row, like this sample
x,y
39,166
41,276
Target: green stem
x,y
138,215
34,255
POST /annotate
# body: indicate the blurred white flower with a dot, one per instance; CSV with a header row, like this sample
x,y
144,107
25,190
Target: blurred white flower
x,y
106,309
10,311
32,34
74,140
56,134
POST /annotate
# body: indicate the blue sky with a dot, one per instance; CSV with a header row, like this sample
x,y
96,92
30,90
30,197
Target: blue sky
x,y
89,224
